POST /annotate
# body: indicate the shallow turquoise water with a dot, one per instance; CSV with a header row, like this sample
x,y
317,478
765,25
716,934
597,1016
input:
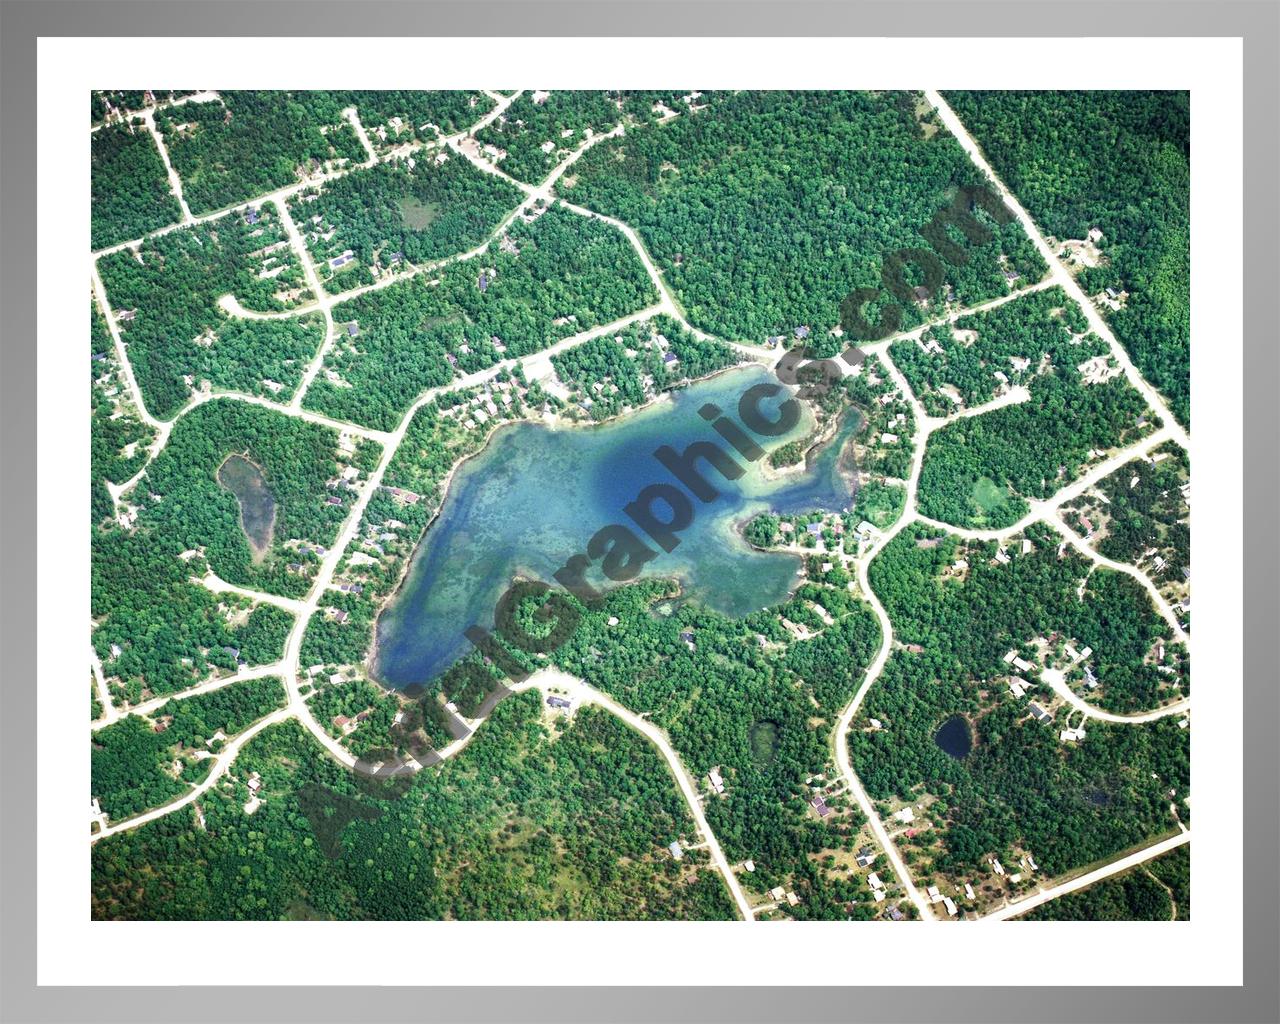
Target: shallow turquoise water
x,y
536,495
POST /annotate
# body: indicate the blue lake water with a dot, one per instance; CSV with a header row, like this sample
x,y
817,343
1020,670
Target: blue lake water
x,y
536,495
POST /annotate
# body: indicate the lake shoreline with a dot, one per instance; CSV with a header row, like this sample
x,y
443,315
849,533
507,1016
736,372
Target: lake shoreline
x,y
370,664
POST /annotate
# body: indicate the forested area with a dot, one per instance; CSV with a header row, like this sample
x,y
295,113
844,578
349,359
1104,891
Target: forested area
x,y
117,102
762,715
414,210
979,471
541,128
177,335
972,622
756,208
1139,894
570,273
1142,509
250,143
423,114
1012,340
297,459
128,186
1069,804
527,823
631,366
171,631
1120,162
133,762
118,439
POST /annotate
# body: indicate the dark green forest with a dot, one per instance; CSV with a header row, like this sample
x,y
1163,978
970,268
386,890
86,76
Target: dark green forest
x,y
169,628
767,209
535,119
392,213
1155,891
132,760
622,364
571,273
249,143
526,824
129,187
1120,162
177,330
114,425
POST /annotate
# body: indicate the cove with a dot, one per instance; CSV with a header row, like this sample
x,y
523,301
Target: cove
x,y
257,504
536,494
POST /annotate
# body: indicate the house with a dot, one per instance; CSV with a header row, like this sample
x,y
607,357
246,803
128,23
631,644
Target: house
x,y
1095,235
717,783
335,678
865,858
997,867
612,620
802,332
777,893
561,702
873,880
879,896
921,294
333,499
251,215
950,905
1017,687
876,723
1022,665
254,783
933,894
353,329
1039,713
670,359
895,914
906,815
343,260
792,899
814,529
749,865
968,891
820,805
339,616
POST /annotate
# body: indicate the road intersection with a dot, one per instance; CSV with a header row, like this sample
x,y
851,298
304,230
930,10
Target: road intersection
x,y
288,668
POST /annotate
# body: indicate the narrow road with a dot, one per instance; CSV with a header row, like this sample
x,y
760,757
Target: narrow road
x,y
277,668
213,582
175,183
109,712
1089,878
1057,269
353,116
583,693
221,763
288,667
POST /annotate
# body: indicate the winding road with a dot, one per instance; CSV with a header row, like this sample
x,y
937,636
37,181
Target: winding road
x,y
288,667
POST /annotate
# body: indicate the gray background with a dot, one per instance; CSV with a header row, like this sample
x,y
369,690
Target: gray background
x,y
1257,22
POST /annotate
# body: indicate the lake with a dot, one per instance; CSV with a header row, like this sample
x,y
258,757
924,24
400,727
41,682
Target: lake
x,y
537,494
257,504
954,737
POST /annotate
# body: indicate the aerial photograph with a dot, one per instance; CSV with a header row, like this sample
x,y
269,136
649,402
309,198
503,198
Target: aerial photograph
x,y
542,505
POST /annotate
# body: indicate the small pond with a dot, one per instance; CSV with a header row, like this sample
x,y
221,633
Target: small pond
x,y
257,504
954,737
